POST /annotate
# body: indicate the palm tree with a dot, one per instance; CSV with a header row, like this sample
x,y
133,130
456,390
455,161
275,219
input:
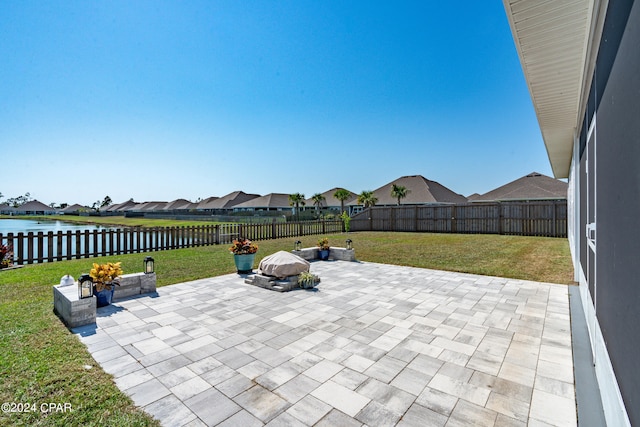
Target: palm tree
x,y
367,199
296,199
342,195
317,201
399,192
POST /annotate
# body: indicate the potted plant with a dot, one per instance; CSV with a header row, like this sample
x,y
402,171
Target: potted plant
x,y
104,278
323,249
6,256
244,252
307,280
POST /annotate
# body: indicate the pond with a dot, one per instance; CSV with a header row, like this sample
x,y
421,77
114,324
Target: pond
x,y
67,245
27,225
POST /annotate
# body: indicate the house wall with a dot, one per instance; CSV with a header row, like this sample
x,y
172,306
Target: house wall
x,y
608,175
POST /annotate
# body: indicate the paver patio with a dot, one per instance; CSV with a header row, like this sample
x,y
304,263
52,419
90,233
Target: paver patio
x,y
375,345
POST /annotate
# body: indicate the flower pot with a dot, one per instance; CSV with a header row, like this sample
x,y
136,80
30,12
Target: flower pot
x,y
244,263
323,254
104,297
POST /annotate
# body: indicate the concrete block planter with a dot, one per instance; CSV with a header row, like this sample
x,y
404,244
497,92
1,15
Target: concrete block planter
x,y
341,254
76,312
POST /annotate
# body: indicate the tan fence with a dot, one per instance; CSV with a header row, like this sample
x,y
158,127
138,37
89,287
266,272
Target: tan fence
x,y
29,248
539,218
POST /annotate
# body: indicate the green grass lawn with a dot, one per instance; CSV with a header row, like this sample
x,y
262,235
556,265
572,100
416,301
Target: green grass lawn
x,y
42,362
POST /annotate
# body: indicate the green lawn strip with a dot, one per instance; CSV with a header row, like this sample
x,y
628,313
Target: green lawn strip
x,y
42,362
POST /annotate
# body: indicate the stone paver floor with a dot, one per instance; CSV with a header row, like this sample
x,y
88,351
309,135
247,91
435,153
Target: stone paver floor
x,y
375,345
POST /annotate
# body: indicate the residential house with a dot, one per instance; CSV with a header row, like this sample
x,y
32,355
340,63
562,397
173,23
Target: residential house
x,y
226,203
420,191
121,207
34,207
149,207
269,202
5,209
581,64
207,205
533,186
330,202
73,209
178,205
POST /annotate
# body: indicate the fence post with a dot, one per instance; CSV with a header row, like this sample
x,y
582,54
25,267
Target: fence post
x,y
49,247
20,247
454,219
217,234
68,239
392,218
554,219
30,246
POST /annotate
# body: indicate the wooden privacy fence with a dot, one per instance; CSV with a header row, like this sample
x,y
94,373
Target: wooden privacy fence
x,y
29,248
539,218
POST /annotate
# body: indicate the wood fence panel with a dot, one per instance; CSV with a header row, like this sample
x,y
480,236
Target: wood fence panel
x,y
30,248
532,218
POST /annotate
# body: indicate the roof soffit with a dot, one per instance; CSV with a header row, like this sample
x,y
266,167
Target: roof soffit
x,y
552,39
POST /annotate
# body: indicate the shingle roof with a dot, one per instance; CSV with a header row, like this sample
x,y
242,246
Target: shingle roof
x,y
4,207
121,207
534,186
178,204
207,203
421,191
150,206
272,200
232,199
33,206
73,208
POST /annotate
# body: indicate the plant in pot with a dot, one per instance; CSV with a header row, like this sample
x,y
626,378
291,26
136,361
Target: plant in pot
x,y
244,252
105,279
307,280
6,256
323,249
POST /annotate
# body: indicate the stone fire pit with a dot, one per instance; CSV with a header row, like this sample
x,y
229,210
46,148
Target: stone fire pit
x,y
279,272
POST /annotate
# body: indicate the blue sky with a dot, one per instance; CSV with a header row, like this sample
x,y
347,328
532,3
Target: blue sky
x,y
159,100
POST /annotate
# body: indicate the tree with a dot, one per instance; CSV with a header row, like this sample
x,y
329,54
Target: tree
x,y
399,192
296,199
367,199
106,202
342,195
317,201
19,201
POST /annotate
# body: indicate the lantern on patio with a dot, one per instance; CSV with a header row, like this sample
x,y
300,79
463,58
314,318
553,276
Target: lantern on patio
x,y
349,244
148,265
297,246
85,287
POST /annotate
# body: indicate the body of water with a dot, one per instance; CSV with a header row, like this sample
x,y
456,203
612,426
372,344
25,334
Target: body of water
x,y
27,225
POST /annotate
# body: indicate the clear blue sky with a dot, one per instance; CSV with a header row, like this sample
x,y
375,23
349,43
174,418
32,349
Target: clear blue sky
x,y
159,100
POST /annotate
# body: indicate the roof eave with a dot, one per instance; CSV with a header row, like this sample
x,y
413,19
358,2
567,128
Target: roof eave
x,y
554,44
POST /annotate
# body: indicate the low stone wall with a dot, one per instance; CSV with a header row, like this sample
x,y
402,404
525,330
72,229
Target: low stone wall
x,y
73,310
272,283
78,312
135,284
341,254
